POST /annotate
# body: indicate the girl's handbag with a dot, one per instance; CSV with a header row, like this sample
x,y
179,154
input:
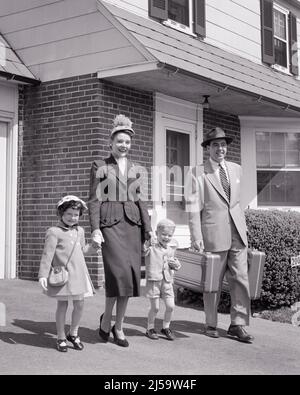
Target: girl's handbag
x,y
59,275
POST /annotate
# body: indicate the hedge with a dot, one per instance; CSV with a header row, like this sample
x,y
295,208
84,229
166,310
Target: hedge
x,y
278,234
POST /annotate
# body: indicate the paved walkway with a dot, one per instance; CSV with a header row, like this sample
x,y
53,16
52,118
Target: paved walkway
x,y
27,341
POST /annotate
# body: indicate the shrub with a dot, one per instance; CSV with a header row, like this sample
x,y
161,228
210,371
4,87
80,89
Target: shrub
x,y
277,234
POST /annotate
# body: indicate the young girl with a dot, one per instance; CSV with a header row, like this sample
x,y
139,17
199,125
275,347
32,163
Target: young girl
x,y
160,265
64,245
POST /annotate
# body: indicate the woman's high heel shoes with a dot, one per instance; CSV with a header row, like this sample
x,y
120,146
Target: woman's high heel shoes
x,y
117,340
104,335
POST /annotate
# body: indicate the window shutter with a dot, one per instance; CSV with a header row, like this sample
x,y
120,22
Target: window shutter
x,y
294,68
158,9
199,18
267,31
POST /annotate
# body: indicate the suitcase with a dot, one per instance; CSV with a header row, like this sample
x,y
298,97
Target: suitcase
x,y
199,272
256,263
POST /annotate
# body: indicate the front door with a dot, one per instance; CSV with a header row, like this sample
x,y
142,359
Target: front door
x,y
175,153
3,184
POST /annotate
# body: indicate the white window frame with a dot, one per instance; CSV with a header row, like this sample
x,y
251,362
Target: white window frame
x,y
278,66
249,127
182,28
9,115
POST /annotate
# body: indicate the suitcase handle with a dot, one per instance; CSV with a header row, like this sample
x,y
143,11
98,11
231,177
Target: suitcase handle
x,y
199,252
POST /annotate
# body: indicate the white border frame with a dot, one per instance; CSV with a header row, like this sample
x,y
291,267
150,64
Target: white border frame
x,y
249,127
11,119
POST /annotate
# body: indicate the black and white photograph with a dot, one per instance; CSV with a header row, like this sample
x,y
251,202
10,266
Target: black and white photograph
x,y
150,190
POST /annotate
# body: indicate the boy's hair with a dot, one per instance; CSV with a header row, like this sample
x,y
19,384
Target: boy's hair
x,y
166,223
71,204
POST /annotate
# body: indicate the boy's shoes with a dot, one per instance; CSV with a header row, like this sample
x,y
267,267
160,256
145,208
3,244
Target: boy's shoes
x,y
240,333
151,333
75,340
211,331
61,345
168,333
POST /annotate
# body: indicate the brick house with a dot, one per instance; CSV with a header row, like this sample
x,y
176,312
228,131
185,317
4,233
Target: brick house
x,y
176,68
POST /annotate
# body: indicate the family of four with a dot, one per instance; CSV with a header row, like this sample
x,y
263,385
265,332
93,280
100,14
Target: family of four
x,y
120,226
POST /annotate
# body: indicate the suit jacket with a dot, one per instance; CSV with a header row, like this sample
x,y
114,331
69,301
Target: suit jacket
x,y
113,195
156,263
210,212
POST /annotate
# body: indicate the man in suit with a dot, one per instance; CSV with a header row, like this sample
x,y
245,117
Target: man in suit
x,y
217,224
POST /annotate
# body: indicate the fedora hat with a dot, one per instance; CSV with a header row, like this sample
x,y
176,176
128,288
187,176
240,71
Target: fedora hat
x,y
122,124
216,134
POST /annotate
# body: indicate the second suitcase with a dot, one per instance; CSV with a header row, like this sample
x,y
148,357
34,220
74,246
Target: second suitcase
x,y
199,272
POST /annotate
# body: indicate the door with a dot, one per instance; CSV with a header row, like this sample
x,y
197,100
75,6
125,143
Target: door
x,y
3,185
176,151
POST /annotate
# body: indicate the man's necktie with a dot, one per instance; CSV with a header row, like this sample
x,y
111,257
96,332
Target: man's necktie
x,y
225,182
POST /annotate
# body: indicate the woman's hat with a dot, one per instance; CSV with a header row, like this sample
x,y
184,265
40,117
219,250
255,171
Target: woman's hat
x,y
216,134
122,124
71,198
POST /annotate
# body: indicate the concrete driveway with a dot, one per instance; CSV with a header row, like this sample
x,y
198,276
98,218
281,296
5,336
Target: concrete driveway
x,y
27,341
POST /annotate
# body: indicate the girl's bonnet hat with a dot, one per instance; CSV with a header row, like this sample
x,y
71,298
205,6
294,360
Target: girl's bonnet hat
x,y
122,124
71,198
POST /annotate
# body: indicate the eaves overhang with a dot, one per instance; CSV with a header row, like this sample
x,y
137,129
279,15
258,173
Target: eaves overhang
x,y
11,66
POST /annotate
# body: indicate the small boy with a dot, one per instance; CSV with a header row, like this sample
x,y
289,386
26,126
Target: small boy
x,y
160,265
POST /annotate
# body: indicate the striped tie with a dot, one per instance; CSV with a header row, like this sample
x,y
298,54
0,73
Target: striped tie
x,y
225,182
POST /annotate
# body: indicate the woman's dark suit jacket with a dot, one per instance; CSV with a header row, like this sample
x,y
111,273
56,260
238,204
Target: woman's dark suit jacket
x,y
116,209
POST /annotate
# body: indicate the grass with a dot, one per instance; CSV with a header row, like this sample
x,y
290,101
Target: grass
x,y
192,299
284,314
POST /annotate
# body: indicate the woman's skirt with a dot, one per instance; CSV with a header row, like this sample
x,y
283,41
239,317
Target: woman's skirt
x,y
121,253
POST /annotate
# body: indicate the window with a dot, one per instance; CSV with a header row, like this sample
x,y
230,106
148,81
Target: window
x,y
185,15
279,37
281,46
278,168
179,15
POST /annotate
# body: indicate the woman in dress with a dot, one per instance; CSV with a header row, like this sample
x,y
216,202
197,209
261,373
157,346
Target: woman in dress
x,y
119,224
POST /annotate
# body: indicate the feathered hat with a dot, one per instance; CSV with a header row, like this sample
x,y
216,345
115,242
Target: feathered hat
x,y
122,124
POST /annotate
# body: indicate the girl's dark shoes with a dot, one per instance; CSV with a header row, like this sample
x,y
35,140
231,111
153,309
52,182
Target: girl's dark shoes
x,y
61,345
117,340
75,340
104,335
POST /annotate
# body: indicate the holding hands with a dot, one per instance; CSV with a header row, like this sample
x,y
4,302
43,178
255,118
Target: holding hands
x,y
97,239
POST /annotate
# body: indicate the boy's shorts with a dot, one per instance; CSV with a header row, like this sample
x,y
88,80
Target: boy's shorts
x,y
159,289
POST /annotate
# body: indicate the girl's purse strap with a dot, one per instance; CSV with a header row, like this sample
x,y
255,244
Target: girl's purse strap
x,y
72,249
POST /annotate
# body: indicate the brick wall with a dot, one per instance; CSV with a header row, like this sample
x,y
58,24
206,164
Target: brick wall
x,y
64,126
231,125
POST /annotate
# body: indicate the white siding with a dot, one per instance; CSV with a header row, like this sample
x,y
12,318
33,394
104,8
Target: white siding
x,y
60,39
234,25
139,7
